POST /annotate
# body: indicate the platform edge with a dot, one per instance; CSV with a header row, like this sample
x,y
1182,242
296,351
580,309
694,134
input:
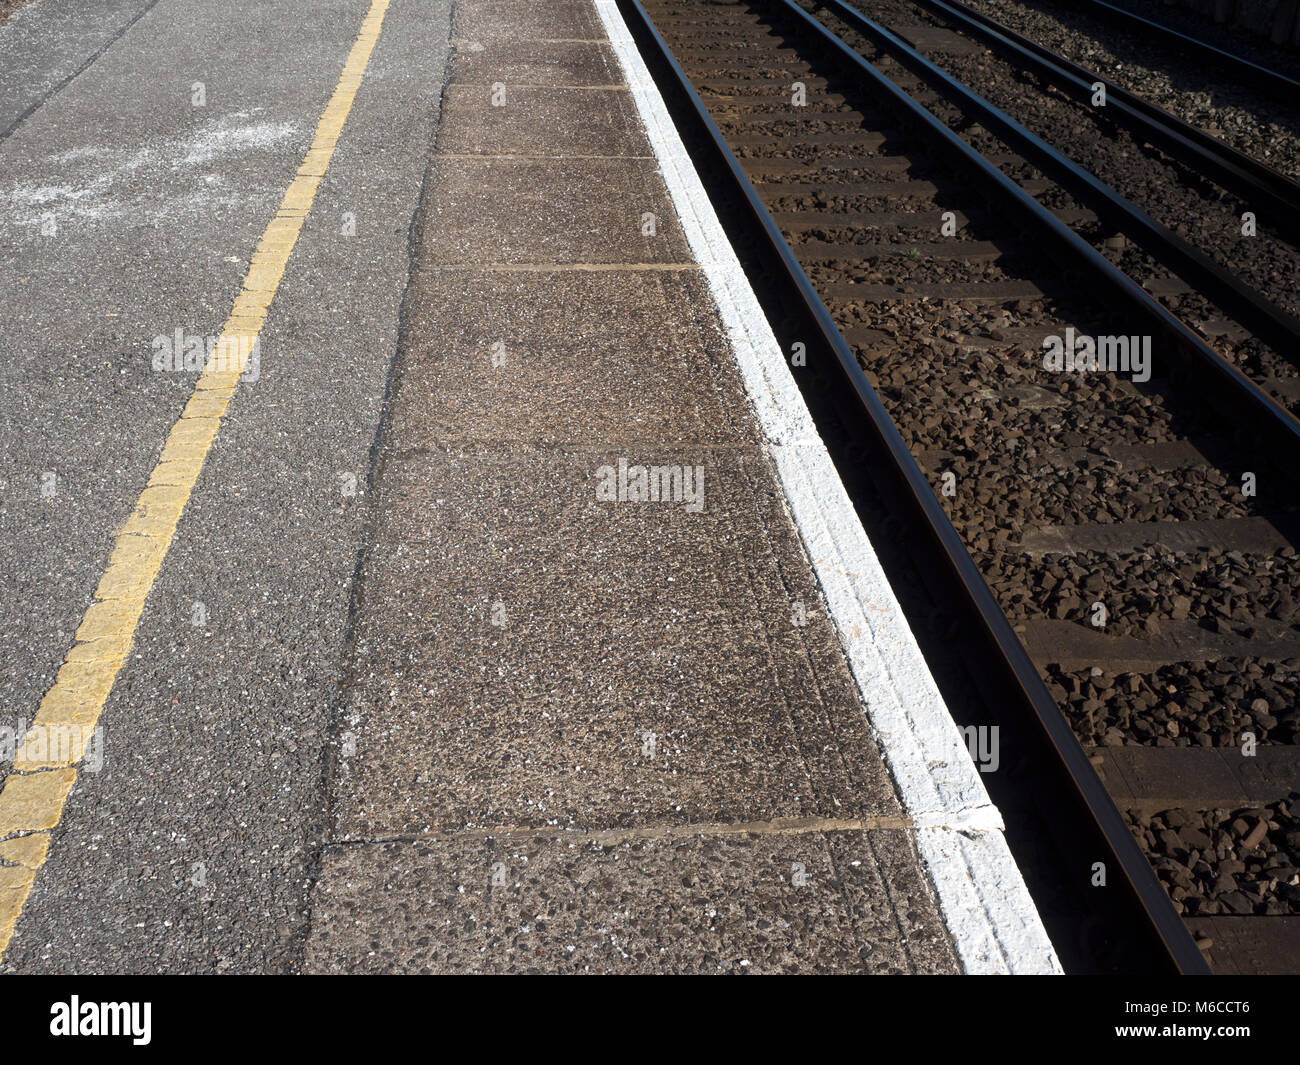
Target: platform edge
x,y
993,922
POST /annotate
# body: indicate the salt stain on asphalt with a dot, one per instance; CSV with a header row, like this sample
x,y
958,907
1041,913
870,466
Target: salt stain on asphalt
x,y
96,198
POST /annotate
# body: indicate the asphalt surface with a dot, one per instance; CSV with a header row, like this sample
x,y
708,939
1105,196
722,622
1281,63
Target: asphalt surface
x,y
192,848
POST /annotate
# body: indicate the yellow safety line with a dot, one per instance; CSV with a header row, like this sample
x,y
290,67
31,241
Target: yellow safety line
x,y
43,774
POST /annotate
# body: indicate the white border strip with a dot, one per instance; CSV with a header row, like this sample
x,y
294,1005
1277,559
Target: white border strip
x,y
981,892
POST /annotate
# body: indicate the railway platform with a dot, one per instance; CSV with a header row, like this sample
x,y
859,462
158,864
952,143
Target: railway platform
x,y
510,617
599,714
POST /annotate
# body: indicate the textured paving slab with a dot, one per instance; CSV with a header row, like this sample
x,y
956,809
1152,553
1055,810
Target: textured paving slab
x,y
522,20
524,63
490,363
579,122
585,733
514,211
620,621
807,902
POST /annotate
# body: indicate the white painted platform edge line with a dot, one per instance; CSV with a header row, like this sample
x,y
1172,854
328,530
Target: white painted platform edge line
x,y
939,784
985,903
982,889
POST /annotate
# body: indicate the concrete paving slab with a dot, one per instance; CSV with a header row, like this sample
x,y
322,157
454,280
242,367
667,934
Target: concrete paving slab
x,y
606,356
805,902
620,620
523,20
521,63
544,211
579,122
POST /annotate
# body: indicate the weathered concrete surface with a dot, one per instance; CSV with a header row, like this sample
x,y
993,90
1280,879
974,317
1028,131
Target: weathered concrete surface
x,y
583,734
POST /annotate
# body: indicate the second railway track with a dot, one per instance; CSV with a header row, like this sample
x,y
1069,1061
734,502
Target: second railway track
x,y
1137,535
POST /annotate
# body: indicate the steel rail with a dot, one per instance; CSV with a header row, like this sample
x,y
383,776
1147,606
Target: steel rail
x,y
1271,323
1085,804
1265,190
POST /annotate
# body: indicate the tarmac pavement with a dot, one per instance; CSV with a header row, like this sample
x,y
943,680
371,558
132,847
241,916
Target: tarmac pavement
x,y
192,848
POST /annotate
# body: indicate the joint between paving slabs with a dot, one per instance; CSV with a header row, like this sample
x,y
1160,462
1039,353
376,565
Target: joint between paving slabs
x,y
551,268
789,826
547,158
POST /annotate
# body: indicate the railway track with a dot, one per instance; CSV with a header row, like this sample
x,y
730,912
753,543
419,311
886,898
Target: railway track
x,y
1256,119
1141,165
1242,68
1111,556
